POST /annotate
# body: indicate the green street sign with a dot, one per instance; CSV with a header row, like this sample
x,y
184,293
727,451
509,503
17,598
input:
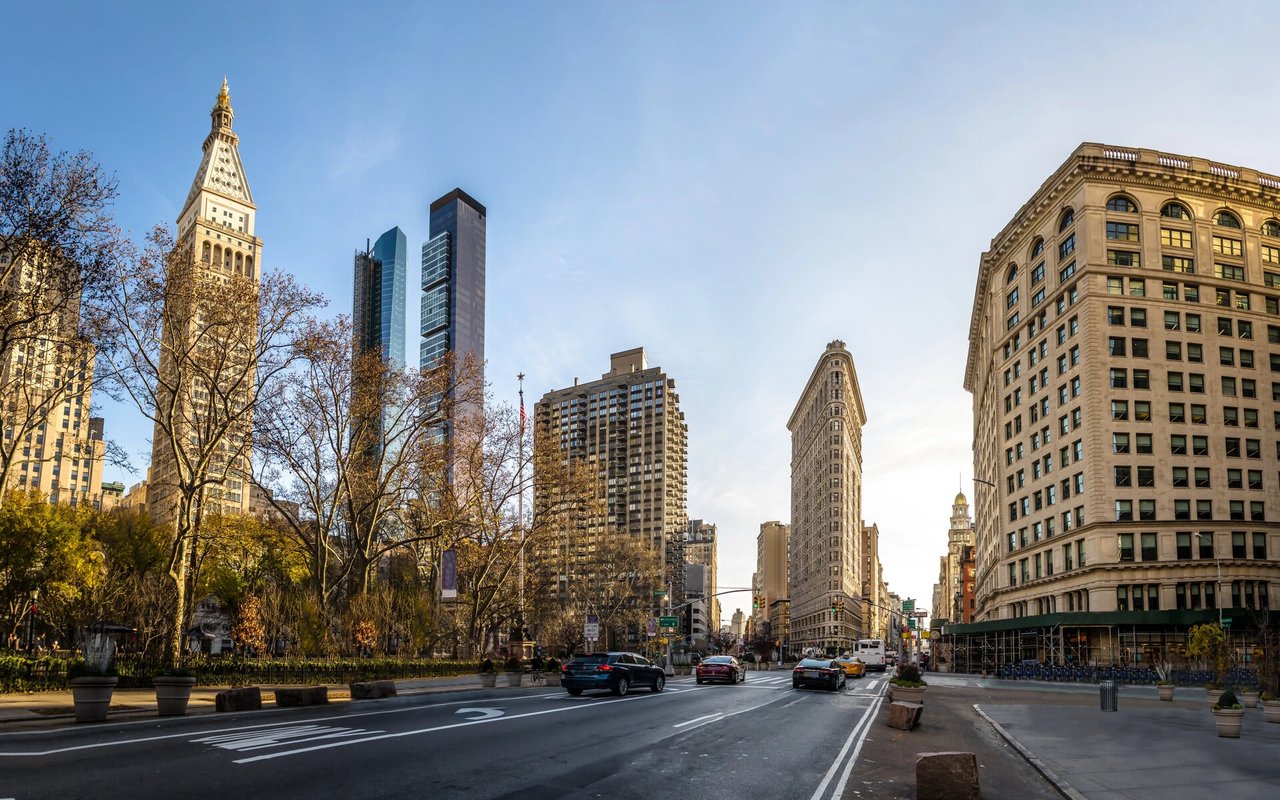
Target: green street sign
x,y
668,622
660,593
1226,622
908,606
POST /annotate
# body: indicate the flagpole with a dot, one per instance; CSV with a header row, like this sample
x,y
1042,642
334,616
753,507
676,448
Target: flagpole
x,y
520,378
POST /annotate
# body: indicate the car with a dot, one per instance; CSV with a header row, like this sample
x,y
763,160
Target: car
x,y
823,672
618,672
853,667
720,668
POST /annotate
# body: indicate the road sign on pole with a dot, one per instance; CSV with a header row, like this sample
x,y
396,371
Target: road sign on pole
x,y
669,622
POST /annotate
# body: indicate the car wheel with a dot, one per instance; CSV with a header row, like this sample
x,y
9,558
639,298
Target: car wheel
x,y
575,692
699,681
659,683
796,685
743,679
622,687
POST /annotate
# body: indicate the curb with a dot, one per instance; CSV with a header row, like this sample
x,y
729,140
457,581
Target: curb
x,y
1066,789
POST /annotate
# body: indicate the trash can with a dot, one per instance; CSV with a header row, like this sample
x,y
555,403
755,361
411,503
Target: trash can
x,y
1107,694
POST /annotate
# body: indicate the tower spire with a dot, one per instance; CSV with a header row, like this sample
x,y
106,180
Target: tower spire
x,y
222,114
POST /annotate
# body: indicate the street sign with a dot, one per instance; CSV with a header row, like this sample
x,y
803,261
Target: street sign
x,y
911,623
1226,622
651,627
924,634
591,631
669,622
922,614
908,606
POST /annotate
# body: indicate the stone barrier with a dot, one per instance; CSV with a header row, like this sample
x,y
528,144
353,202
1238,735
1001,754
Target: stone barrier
x,y
302,696
947,776
372,690
905,716
244,698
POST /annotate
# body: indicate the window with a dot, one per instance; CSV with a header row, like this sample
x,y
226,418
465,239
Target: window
x,y
1011,299
1173,351
1116,345
1124,258
1037,273
1174,381
1138,317
1202,477
1119,442
1226,219
1141,379
1175,211
1172,237
1195,352
1124,542
1122,204
1146,510
1193,323
1204,541
1204,509
1177,412
1178,444
1183,541
1122,232
1119,410
1149,547
1142,411
1143,444
1068,219
1271,228
1230,272
1199,416
1238,549
1260,546
1178,264
1226,246
1067,247
1069,270
1123,476
1140,348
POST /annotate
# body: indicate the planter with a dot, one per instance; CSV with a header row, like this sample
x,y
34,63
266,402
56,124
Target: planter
x,y
943,668
514,678
488,680
1166,691
1228,721
1271,710
906,694
172,695
92,697
1249,699
1212,695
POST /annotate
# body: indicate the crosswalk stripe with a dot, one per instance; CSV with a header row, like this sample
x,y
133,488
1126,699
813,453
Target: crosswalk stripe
x,y
258,739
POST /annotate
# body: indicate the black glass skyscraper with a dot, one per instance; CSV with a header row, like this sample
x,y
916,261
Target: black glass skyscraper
x,y
378,300
453,281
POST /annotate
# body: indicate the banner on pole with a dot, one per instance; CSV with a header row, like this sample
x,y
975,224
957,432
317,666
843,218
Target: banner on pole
x,y
449,575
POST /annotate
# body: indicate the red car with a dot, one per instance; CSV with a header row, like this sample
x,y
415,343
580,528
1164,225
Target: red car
x,y
721,668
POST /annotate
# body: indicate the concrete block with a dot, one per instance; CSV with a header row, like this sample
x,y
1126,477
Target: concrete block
x,y
302,696
904,716
244,698
372,690
947,776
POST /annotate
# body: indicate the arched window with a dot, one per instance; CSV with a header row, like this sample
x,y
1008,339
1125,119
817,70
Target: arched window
x,y
1175,211
1038,247
205,253
217,255
239,263
1122,204
248,266
226,259
1012,274
1226,219
1068,219
1271,228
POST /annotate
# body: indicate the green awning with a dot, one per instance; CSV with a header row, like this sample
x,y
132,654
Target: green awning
x,y
1181,618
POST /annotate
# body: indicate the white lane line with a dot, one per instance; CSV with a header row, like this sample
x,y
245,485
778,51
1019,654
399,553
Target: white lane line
x,y
864,726
718,717
853,759
256,740
452,726
695,719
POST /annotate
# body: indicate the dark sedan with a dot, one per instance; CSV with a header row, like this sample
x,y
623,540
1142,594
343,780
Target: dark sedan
x,y
617,672
721,668
822,672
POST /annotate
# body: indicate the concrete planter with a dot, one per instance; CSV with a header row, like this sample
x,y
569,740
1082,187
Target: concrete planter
x,y
1166,691
172,695
1249,699
1271,710
1212,695
515,678
1228,721
906,694
92,697
488,680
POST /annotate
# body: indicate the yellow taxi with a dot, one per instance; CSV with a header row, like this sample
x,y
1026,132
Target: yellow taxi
x,y
853,667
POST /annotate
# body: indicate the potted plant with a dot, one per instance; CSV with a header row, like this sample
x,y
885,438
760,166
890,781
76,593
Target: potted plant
x,y
173,691
515,671
1228,714
488,677
1164,684
1208,642
1249,697
907,685
93,678
1270,707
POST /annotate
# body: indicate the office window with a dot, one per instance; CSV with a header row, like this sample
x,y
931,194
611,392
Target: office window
x,y
1146,509
1199,445
1184,264
1238,549
1122,232
1204,509
1182,509
1124,258
1183,541
1149,547
1226,219
1204,541
1174,381
1177,412
1123,476
1172,321
1146,476
1115,315
1124,542
1226,246
1193,323
1142,410
1195,353
1175,211
1260,546
1172,237
1231,272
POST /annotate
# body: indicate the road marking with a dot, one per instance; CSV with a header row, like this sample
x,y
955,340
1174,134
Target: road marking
x,y
718,717
434,729
695,719
485,713
256,740
864,725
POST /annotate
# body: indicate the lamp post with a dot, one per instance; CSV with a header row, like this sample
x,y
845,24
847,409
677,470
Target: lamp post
x,y
1217,599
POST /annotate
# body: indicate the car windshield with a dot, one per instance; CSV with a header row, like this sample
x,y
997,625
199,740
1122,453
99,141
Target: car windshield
x,y
599,658
815,662
717,660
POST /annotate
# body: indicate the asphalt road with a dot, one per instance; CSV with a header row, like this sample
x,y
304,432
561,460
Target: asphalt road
x,y
758,739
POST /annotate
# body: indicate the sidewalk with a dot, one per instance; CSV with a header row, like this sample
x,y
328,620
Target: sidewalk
x,y
1147,749
41,709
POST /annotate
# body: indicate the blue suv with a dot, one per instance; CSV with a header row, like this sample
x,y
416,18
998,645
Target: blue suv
x,y
617,672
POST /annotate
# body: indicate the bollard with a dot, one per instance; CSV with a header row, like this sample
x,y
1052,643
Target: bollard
x,y
1108,695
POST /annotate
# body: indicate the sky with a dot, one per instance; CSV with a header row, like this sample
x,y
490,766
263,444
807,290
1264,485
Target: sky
x,y
729,185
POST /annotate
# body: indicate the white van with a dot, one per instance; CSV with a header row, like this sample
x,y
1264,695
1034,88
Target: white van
x,y
871,653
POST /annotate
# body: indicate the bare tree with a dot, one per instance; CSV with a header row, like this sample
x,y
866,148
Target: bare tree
x,y
57,243
342,443
195,349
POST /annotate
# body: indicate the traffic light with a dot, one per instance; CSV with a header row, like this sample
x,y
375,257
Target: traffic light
x,y
833,608
840,606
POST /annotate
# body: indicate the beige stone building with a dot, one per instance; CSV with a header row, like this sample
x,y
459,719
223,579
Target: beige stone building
x,y
216,227
769,581
700,548
628,427
948,592
826,563
875,593
1124,362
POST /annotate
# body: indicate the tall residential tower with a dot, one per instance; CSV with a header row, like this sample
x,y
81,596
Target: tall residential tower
x,y
453,262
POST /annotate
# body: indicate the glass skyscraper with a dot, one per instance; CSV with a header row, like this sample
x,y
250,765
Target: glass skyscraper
x,y
453,281
379,298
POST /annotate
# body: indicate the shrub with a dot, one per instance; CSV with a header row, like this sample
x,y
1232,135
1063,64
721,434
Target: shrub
x,y
513,664
1227,700
486,665
553,665
83,669
908,677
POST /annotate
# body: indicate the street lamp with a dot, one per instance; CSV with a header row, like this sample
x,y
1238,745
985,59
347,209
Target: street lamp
x,y
1217,599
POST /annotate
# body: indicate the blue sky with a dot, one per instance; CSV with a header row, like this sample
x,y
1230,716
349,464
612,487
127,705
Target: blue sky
x,y
730,185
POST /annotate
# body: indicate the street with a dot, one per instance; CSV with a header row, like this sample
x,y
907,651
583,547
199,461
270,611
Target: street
x,y
761,738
